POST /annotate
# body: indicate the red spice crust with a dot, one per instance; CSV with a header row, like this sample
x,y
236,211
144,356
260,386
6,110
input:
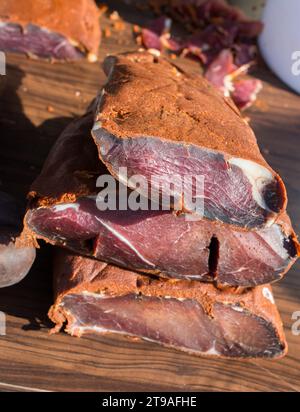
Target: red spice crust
x,y
146,95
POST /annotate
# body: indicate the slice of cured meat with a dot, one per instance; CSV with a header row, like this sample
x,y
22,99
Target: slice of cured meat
x,y
93,297
64,211
56,29
162,243
15,262
156,121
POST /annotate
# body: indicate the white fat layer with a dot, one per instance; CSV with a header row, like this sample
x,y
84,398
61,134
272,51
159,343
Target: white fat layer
x,y
100,98
101,295
196,276
277,241
241,269
212,350
97,125
257,175
94,328
64,206
268,295
172,297
237,308
126,241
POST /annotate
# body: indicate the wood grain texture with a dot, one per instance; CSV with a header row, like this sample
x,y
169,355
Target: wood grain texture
x,y
38,99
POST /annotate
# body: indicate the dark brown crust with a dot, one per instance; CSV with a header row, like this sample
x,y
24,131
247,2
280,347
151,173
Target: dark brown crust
x,y
74,274
77,20
146,95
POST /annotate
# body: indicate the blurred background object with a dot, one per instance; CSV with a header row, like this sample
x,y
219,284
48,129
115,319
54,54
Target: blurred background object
x,y
252,8
280,40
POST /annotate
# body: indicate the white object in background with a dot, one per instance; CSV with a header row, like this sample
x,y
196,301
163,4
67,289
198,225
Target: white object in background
x,y
280,40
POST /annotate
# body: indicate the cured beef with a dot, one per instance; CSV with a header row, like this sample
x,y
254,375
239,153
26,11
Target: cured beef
x,y
93,297
63,211
223,41
57,29
15,262
166,125
160,242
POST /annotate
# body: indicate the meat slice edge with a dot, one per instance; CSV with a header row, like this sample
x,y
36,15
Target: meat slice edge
x,y
160,242
98,298
236,191
158,121
67,187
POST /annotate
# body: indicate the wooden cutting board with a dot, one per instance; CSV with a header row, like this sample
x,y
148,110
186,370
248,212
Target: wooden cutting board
x,y
37,100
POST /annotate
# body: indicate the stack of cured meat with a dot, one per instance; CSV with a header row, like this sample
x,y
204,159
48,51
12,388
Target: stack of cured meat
x,y
191,282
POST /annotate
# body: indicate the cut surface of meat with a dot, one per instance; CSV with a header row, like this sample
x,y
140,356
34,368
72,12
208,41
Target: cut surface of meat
x,y
15,262
236,191
56,29
94,297
36,41
162,243
63,210
159,122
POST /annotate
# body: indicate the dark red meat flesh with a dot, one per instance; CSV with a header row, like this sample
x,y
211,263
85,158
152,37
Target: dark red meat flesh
x,y
170,245
236,191
37,41
182,324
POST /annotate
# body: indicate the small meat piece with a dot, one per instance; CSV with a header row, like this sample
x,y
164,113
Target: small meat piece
x,y
245,92
157,36
64,211
219,71
56,29
93,297
151,36
220,33
15,261
156,121
222,72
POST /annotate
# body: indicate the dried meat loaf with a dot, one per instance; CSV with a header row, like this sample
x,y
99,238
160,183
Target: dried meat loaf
x,y
155,120
93,297
63,211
